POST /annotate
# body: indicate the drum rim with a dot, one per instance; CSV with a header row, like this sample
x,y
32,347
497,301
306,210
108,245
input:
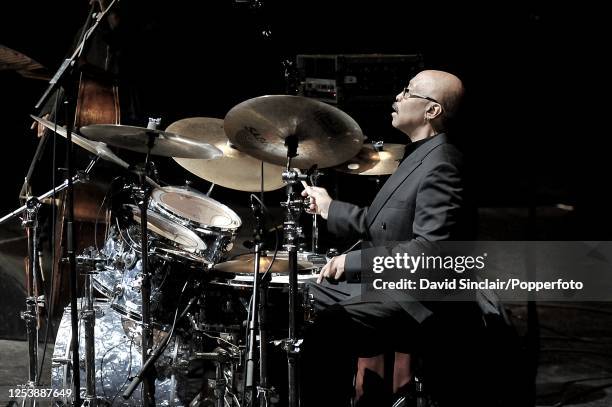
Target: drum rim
x,y
232,282
136,317
201,245
158,204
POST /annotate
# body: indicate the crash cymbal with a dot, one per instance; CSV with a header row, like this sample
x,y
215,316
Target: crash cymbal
x,y
259,127
244,265
370,161
235,169
137,138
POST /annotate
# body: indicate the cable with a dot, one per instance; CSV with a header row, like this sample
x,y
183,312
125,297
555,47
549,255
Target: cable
x,y
49,299
220,339
157,352
110,190
276,241
102,365
128,375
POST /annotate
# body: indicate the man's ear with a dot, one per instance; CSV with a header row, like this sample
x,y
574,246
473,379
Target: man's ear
x,y
434,110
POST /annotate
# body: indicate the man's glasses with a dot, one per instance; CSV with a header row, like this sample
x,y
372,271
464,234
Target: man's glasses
x,y
407,95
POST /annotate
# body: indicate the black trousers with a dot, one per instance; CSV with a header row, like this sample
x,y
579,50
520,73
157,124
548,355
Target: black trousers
x,y
348,325
467,358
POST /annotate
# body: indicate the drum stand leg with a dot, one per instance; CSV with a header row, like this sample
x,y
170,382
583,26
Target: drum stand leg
x,y
30,315
89,264
221,358
89,316
148,382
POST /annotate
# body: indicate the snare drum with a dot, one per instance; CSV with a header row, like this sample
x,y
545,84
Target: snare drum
x,y
214,223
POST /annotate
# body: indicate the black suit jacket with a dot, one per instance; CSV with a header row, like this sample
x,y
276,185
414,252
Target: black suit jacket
x,y
423,202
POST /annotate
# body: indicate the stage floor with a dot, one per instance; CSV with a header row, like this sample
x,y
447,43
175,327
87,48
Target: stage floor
x,y
575,357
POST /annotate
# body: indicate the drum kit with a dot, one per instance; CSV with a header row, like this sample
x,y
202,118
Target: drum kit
x,y
164,305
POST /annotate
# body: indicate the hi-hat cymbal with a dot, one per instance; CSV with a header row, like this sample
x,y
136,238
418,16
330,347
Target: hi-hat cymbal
x,y
137,139
370,161
326,135
235,169
245,263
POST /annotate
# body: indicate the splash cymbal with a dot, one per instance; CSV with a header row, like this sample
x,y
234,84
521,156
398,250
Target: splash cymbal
x,y
370,161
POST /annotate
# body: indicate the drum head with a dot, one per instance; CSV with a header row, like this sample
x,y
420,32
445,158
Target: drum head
x,y
184,238
196,207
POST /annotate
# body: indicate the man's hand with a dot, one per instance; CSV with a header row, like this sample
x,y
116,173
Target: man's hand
x,y
319,200
333,269
40,129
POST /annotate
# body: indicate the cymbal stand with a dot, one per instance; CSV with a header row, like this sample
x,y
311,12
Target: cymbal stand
x,y
314,177
30,315
294,206
148,383
89,264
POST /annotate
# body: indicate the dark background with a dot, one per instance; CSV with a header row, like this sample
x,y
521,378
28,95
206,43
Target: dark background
x,y
532,71
534,125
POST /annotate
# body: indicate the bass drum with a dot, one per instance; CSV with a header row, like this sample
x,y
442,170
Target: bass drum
x,y
178,380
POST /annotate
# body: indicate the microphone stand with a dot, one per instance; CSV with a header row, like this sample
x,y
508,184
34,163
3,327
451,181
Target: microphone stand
x,y
33,302
70,62
23,194
61,76
256,324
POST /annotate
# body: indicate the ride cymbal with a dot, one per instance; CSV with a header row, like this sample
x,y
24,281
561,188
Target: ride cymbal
x,y
260,127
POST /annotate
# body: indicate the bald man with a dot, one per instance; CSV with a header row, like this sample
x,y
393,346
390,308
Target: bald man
x,y
422,203
421,111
